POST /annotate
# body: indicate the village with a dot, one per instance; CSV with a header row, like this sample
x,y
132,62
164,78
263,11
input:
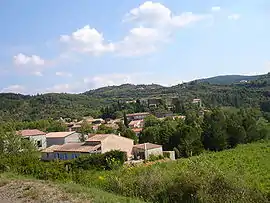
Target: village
x,y
72,143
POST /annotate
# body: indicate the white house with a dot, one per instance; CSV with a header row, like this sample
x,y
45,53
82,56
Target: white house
x,y
36,136
143,151
60,138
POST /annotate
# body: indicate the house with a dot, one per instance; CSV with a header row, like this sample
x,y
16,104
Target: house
x,y
143,151
99,143
36,136
137,116
59,138
137,131
197,101
136,124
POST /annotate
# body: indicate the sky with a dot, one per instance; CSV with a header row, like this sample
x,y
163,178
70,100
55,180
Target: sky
x,y
74,46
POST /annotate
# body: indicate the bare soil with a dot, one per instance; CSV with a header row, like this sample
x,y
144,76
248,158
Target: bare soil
x,y
18,191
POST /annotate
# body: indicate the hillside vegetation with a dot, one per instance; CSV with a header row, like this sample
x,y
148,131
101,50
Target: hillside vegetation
x,y
25,107
228,79
236,175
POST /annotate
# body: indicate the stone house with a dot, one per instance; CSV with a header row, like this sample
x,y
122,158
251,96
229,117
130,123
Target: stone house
x,y
36,136
60,138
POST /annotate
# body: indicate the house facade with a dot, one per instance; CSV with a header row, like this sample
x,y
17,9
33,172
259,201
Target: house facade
x,y
99,143
137,116
36,136
136,124
145,150
60,138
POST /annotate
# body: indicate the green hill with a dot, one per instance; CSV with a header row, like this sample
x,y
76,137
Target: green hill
x,y
53,105
228,79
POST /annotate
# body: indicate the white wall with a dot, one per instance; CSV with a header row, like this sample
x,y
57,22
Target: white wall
x,y
37,138
72,138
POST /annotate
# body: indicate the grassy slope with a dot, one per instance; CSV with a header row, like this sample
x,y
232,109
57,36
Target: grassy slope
x,y
71,190
247,165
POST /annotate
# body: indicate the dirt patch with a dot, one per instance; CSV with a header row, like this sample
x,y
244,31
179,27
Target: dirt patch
x,y
18,191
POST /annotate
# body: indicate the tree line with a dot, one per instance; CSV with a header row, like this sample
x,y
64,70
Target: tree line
x,y
217,130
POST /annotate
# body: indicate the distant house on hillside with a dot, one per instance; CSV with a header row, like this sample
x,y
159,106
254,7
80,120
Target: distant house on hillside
x,y
137,116
154,102
137,131
59,138
99,143
136,124
36,136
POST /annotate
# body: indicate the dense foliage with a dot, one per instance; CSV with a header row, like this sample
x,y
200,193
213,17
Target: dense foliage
x,y
217,130
110,101
238,175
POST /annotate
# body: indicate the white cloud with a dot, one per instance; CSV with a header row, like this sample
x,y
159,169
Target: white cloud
x,y
152,14
14,89
22,59
139,41
63,74
107,80
216,8
87,40
234,16
37,73
59,88
115,79
152,24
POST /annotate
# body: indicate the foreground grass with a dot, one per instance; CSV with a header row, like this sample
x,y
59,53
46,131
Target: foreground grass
x,y
72,192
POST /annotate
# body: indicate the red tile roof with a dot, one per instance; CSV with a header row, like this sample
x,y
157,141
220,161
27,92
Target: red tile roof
x,y
137,130
30,132
147,146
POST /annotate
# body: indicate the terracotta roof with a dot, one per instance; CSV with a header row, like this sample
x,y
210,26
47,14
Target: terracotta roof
x,y
138,114
30,132
71,147
98,137
148,146
137,130
50,149
58,134
136,122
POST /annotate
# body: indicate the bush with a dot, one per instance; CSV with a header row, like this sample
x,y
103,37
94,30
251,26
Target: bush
x,y
107,161
194,181
153,157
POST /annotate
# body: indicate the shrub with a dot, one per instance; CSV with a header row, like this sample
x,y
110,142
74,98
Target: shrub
x,y
153,157
108,161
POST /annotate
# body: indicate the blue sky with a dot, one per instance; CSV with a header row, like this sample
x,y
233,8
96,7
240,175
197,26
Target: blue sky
x,y
74,46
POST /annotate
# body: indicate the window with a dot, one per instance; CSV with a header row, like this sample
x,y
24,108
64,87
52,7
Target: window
x,y
47,154
65,156
39,143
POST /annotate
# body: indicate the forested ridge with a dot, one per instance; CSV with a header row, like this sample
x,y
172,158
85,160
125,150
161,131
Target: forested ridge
x,y
254,93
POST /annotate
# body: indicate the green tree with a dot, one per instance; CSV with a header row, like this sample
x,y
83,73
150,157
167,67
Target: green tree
x,y
214,131
125,120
